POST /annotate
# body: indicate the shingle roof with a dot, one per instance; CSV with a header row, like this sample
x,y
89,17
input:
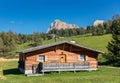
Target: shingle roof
x,y
57,43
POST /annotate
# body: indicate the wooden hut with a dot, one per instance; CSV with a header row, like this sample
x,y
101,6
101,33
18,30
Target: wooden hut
x,y
58,56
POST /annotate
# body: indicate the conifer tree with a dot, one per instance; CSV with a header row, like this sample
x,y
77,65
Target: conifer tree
x,y
1,46
37,39
114,46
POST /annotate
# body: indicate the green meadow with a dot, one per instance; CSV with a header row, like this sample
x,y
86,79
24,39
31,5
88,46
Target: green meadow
x,y
10,74
96,42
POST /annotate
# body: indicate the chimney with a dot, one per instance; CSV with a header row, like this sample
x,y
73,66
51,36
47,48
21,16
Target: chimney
x,y
72,42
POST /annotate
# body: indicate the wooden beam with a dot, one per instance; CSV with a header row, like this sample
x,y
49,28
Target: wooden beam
x,y
63,46
70,48
56,48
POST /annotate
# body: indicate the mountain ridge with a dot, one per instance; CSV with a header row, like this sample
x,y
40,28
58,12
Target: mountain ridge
x,y
58,24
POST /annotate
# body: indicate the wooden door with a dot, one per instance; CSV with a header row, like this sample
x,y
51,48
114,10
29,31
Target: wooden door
x,y
63,58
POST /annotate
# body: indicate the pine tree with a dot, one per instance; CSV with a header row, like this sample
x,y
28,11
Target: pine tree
x,y
1,46
108,26
114,46
37,39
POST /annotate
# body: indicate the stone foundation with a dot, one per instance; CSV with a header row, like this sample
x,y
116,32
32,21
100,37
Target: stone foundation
x,y
28,72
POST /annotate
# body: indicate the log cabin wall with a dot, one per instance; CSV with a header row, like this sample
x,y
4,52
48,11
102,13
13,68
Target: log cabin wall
x,y
53,54
92,59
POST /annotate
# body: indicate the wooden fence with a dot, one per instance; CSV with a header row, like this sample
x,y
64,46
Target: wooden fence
x,y
47,67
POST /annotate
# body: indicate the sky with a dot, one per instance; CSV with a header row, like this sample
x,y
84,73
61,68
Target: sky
x,y
28,16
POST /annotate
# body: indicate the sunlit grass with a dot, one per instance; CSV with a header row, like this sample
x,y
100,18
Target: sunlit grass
x,y
10,74
96,42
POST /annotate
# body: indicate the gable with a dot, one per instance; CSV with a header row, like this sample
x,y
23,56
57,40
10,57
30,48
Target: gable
x,y
67,46
58,49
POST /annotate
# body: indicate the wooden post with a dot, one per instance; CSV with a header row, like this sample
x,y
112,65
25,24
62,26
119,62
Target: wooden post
x,y
74,67
59,67
59,71
63,46
74,71
43,68
70,47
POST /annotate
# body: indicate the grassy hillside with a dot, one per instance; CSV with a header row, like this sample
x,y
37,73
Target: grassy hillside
x,y
10,74
96,42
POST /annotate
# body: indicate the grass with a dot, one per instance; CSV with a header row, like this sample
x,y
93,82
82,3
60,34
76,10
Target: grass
x,y
10,74
96,42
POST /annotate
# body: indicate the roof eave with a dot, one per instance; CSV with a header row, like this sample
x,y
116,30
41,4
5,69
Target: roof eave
x,y
57,43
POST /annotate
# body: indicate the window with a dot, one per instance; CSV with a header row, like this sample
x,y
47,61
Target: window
x,y
42,58
82,57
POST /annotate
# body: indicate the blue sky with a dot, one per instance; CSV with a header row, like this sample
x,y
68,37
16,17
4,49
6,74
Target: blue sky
x,y
28,16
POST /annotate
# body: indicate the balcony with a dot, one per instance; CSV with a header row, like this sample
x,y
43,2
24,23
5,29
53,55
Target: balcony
x,y
48,67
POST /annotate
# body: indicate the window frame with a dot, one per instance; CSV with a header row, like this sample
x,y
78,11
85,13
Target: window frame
x,y
41,58
82,57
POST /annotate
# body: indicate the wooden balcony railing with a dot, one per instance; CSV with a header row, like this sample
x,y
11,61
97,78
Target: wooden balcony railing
x,y
47,67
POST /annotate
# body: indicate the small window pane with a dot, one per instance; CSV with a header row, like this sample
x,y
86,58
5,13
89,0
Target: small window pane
x,y
41,58
82,57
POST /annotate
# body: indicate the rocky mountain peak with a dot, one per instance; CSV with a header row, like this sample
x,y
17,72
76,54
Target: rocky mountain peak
x,y
57,24
97,22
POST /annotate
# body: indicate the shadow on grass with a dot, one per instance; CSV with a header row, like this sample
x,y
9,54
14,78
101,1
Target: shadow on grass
x,y
13,71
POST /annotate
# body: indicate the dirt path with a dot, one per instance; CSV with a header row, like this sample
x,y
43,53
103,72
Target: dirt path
x,y
3,59
110,67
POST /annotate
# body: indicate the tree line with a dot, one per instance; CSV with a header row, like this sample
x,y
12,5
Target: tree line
x,y
67,32
10,40
101,29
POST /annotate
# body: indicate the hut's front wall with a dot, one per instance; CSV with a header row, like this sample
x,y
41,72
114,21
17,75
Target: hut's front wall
x,y
50,57
55,55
